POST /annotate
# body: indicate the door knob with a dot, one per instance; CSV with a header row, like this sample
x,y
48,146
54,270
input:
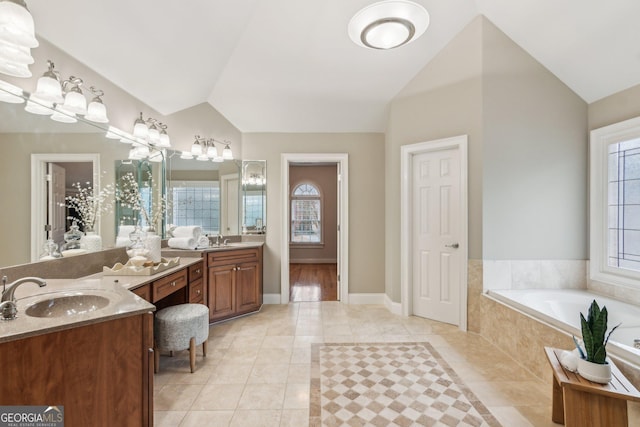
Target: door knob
x,y
454,246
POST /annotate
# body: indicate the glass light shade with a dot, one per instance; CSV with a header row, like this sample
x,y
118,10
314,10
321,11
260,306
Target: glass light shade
x,y
164,139
62,115
212,151
203,157
154,134
218,159
140,128
14,53
97,112
387,34
134,154
75,102
388,24
186,155
196,148
156,156
49,89
10,93
16,25
39,106
226,153
14,69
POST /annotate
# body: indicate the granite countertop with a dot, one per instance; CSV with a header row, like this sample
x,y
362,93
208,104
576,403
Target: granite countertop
x,y
116,289
172,252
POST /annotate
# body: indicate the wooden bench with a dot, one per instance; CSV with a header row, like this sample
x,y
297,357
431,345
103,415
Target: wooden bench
x,y
580,402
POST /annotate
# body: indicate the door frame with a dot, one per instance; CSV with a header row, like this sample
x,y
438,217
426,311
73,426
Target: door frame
x,y
406,241
342,159
39,191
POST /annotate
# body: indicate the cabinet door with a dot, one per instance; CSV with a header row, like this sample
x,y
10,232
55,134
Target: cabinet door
x,y
248,295
221,295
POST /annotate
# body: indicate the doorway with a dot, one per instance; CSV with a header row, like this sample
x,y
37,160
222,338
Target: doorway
x,y
48,217
340,162
313,232
434,230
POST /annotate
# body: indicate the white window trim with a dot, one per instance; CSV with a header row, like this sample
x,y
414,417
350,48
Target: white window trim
x,y
320,197
600,140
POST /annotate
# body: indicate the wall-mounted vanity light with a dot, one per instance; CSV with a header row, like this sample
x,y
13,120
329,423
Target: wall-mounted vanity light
x,y
17,38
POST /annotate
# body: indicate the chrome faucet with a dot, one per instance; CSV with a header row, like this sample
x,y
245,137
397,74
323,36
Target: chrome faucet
x,y
8,307
219,238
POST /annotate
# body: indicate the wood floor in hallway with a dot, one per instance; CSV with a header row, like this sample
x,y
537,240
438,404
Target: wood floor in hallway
x,y
313,282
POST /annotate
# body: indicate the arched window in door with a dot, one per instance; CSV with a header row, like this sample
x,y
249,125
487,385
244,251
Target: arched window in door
x,y
306,214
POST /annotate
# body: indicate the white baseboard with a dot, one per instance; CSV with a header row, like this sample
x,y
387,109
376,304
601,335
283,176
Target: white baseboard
x,y
313,261
271,298
376,299
393,307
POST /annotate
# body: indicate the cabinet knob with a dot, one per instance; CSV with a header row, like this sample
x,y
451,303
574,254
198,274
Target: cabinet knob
x,y
198,292
173,283
198,271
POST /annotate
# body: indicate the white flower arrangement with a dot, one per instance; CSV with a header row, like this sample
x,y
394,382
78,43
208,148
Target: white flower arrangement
x,y
88,205
128,195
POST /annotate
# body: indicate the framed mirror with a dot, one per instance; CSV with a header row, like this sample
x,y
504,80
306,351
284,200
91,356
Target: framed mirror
x,y
254,196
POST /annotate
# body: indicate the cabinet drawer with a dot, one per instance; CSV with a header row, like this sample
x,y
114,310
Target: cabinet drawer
x,y
170,284
232,257
143,292
195,271
196,291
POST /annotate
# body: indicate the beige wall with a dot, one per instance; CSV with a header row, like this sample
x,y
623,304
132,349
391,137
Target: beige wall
x,y
426,110
534,184
616,108
366,200
325,177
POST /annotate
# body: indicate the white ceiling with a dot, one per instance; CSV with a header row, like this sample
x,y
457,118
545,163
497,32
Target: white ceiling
x,y
289,65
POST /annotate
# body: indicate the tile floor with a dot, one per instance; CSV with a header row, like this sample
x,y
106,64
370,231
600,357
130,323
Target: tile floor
x,y
257,370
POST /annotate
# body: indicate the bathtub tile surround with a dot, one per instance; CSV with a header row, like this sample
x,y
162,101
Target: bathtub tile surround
x,y
535,274
474,292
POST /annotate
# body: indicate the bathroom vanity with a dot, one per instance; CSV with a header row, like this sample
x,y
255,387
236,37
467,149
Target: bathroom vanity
x,y
96,360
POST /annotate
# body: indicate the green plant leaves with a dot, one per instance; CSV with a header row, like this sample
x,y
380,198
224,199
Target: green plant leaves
x,y
594,329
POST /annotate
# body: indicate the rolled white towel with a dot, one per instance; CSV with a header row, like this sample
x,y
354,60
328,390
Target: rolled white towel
x,y
182,243
125,230
123,241
187,231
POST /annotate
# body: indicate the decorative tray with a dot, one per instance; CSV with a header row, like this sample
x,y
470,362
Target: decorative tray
x,y
129,269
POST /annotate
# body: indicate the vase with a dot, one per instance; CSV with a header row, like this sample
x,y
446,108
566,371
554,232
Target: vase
x,y
91,241
153,242
598,373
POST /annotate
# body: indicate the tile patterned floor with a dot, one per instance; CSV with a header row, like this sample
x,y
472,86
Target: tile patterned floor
x,y
258,368
389,384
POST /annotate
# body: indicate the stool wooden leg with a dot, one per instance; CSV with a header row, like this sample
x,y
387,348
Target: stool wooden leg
x,y
192,354
204,349
170,353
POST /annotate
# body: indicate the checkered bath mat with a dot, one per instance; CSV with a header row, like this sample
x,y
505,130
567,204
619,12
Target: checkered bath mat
x,y
389,384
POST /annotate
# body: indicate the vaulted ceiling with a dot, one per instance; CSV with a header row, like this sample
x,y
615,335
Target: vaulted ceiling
x,y
289,65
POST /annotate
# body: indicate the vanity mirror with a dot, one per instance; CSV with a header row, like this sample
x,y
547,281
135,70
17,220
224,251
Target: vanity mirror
x,y
254,196
204,193
23,135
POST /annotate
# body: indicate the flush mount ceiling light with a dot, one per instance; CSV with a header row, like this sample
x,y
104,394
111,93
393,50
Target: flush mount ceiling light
x,y
388,24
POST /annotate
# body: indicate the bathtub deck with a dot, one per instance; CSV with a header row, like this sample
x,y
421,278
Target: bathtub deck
x,y
579,402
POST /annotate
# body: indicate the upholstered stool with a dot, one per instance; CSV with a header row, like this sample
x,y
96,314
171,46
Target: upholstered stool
x,y
180,327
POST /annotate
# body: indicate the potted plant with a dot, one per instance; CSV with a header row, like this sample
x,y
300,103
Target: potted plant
x,y
593,364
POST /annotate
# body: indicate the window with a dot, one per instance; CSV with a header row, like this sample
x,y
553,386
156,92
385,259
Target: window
x,y
306,215
196,203
615,203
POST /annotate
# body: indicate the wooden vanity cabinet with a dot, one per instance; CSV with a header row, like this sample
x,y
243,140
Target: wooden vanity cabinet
x,y
234,284
196,283
143,292
101,373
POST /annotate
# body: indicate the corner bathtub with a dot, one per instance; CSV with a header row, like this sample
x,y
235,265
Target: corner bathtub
x,y
561,308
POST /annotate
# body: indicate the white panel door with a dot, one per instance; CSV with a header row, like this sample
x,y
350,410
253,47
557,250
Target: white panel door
x,y
436,229
56,201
